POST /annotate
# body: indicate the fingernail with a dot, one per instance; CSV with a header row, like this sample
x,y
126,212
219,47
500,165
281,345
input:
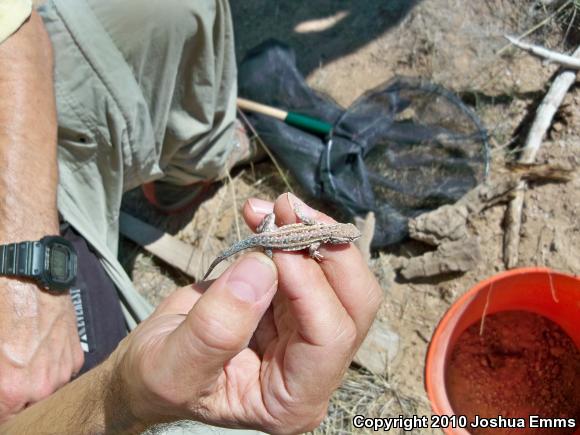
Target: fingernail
x,y
259,206
252,278
305,209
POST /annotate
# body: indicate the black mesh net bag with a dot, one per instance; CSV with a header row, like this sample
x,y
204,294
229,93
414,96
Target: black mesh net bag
x,y
400,150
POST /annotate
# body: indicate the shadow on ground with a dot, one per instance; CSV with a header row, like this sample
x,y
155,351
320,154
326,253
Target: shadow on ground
x,y
319,31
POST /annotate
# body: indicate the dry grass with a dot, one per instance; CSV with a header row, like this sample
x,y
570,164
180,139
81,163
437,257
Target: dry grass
x,y
569,19
558,16
363,393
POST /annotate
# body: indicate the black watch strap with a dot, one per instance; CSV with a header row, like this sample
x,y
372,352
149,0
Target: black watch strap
x,y
21,259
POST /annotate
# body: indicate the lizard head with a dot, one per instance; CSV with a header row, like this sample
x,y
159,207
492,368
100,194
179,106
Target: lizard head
x,y
344,233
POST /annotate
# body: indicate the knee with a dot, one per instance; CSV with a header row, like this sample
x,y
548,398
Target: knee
x,y
158,19
191,7
185,14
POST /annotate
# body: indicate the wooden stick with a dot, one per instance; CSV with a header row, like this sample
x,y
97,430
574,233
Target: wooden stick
x,y
255,134
366,227
570,62
252,106
173,251
378,349
542,122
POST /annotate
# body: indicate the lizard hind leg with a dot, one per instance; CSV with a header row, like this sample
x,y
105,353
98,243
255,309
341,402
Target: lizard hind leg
x,y
268,224
306,220
313,251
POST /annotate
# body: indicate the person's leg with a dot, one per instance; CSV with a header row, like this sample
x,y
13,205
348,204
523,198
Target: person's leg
x,y
99,318
145,91
181,54
101,114
138,101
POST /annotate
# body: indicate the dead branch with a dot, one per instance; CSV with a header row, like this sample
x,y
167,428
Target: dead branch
x,y
543,172
378,349
366,227
450,257
170,249
542,122
446,228
570,62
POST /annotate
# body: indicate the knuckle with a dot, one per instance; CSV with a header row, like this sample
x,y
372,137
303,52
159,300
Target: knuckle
x,y
351,335
78,359
12,397
347,333
215,335
65,374
45,389
375,296
64,378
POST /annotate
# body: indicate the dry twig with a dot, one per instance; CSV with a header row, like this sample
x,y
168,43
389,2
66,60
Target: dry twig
x,y
446,228
542,122
564,60
235,202
367,228
541,24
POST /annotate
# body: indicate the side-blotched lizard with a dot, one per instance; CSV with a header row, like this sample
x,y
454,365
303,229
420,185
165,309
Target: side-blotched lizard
x,y
308,234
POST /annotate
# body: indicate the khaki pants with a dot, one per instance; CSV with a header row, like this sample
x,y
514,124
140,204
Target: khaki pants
x,y
145,90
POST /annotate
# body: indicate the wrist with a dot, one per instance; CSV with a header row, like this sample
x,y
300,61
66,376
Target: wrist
x,y
15,232
27,301
19,297
51,263
121,404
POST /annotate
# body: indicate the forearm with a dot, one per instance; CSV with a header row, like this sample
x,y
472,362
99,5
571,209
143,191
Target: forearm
x,y
28,128
39,344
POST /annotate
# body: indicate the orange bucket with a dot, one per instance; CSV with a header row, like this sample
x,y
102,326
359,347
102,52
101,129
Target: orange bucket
x,y
551,294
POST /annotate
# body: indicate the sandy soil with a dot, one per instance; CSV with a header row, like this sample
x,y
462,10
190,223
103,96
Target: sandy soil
x,y
358,46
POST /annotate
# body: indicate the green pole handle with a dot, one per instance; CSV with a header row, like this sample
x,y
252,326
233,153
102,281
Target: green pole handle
x,y
303,122
308,123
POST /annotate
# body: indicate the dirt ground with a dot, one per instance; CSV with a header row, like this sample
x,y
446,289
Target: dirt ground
x,y
359,45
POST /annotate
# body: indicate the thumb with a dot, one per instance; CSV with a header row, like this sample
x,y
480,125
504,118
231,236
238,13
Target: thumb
x,y
222,322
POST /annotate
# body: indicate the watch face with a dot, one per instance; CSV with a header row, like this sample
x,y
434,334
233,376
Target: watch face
x,y
60,264
59,261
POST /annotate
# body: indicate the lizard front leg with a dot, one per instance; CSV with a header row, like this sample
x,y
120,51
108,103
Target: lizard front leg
x,y
268,224
313,251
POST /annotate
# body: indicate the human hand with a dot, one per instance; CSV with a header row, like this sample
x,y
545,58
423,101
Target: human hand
x,y
39,344
263,347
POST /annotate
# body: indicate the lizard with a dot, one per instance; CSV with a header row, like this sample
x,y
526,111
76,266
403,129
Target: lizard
x,y
308,234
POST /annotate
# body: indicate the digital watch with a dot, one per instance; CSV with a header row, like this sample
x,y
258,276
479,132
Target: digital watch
x,y
50,261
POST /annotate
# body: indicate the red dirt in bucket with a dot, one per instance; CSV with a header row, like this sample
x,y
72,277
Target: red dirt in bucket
x,y
522,365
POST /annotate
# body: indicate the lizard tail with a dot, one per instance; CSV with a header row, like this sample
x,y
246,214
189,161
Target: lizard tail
x,y
228,253
211,268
